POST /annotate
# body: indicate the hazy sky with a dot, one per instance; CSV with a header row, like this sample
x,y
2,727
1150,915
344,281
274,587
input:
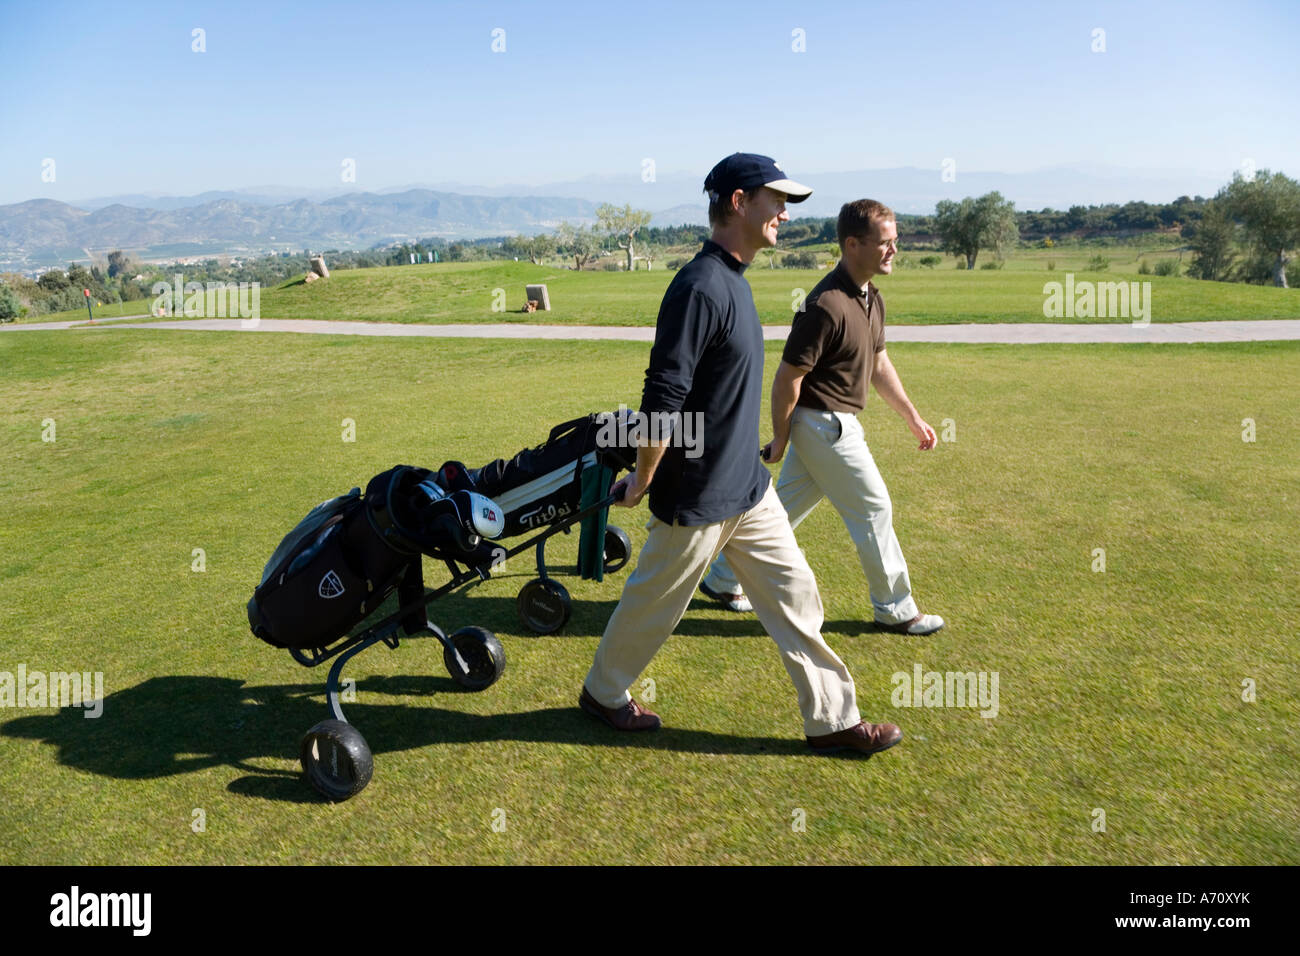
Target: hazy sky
x,y
413,92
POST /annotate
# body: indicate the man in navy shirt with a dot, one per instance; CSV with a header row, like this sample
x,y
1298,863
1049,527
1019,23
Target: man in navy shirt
x,y
707,362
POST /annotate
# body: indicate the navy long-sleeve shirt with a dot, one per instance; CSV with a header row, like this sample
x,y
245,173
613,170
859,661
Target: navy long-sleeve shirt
x,y
708,359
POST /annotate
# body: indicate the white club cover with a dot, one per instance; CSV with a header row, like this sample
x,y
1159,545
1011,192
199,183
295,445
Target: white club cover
x,y
486,515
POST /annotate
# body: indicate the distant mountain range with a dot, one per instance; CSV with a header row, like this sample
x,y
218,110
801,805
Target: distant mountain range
x,y
46,230
270,218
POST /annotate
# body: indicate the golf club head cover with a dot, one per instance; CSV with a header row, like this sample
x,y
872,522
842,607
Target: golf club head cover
x,y
485,514
454,476
462,518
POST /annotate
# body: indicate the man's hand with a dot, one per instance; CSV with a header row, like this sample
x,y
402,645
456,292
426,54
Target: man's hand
x,y
773,451
923,432
785,396
632,490
886,383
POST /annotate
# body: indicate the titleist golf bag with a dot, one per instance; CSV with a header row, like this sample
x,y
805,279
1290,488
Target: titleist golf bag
x,y
542,485
321,590
350,553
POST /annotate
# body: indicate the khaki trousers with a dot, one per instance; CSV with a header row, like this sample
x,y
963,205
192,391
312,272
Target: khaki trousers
x,y
828,457
761,548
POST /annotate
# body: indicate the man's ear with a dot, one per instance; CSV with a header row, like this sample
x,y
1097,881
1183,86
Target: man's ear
x,y
737,201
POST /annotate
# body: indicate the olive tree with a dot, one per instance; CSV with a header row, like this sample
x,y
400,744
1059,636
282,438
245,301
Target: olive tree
x,y
968,226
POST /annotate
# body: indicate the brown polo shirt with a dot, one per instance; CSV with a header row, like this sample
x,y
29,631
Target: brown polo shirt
x,y
837,336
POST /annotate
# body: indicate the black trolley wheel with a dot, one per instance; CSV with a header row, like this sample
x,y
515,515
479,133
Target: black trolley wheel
x,y
336,759
484,657
544,605
618,548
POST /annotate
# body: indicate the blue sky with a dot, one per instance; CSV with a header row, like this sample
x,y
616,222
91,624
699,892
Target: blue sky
x,y
414,93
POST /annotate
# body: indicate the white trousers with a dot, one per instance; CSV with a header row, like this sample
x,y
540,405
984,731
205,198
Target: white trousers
x,y
827,456
765,556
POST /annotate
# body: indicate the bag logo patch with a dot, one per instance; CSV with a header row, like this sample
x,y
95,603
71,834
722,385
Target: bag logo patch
x,y
330,585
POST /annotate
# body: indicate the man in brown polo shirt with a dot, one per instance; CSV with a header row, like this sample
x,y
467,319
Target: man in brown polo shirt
x,y
835,351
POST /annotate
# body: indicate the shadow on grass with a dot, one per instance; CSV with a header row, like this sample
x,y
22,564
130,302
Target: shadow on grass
x,y
589,617
174,725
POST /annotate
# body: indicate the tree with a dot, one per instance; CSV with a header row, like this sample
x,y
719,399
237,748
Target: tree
x,y
650,252
131,290
972,224
1268,207
540,247
119,263
622,223
1139,216
53,281
78,277
579,242
533,248
9,304
1212,244
515,246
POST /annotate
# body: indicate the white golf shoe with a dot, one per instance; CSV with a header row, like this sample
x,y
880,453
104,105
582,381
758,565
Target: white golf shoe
x,y
918,626
732,602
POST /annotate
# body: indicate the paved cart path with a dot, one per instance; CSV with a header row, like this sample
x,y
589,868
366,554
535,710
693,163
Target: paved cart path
x,y
1027,333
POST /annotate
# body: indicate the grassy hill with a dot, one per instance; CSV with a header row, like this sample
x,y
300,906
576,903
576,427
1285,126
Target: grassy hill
x,y
464,292
468,292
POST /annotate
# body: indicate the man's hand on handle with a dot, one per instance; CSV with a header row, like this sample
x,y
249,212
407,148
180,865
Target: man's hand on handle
x,y
634,484
630,489
773,451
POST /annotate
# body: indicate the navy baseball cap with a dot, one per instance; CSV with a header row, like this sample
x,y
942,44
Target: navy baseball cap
x,y
750,170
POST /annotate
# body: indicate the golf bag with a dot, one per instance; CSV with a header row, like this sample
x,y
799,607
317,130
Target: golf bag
x,y
347,556
320,591
540,486
350,553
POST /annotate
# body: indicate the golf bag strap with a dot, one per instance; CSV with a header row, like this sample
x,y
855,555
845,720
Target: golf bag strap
x,y
409,590
562,429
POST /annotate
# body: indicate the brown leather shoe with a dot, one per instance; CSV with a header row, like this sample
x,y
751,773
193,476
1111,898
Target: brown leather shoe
x,y
865,737
631,716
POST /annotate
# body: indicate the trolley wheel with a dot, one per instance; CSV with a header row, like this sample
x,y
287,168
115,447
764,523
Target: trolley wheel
x,y
544,605
484,658
618,548
336,759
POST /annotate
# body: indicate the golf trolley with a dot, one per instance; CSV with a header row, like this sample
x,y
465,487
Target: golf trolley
x,y
329,578
543,603
335,756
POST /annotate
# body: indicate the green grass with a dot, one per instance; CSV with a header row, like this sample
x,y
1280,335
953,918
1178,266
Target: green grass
x,y
1118,690
464,292
110,310
1125,257
468,292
